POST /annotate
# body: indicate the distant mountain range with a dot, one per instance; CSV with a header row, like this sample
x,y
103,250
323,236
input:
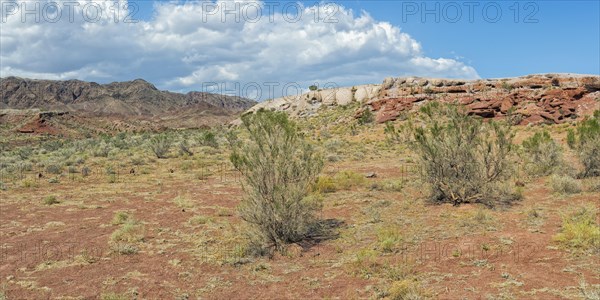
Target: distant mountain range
x,y
75,107
130,98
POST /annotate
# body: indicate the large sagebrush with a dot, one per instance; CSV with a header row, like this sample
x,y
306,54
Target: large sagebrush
x,y
463,159
280,168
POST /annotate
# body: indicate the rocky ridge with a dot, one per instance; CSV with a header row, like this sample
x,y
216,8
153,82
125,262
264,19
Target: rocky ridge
x,y
534,99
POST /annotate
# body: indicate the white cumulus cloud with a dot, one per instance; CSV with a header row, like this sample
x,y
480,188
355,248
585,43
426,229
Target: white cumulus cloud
x,y
184,45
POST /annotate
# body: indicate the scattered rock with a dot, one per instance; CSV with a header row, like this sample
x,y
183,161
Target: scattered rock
x,y
371,175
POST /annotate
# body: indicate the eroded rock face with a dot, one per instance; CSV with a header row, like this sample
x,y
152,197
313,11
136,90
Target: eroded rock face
x,y
534,99
549,98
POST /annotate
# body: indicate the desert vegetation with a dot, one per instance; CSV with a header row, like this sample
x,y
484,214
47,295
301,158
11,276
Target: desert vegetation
x,y
326,206
279,168
463,159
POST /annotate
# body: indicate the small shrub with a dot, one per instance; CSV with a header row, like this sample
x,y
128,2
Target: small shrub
x,y
112,178
131,232
224,212
366,116
120,217
388,185
565,185
333,158
365,263
571,139
102,151
85,171
183,202
137,161
53,169
184,148
346,180
389,238
407,289
209,139
392,135
199,220
325,184
580,230
587,144
114,296
589,291
543,154
160,145
50,200
463,159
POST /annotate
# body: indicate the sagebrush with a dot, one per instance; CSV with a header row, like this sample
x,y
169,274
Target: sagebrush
x,y
280,167
463,159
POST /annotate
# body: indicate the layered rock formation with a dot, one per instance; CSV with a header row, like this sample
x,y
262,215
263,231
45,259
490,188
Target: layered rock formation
x,y
549,98
533,99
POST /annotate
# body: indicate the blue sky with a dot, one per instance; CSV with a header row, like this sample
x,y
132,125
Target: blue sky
x,y
549,36
178,46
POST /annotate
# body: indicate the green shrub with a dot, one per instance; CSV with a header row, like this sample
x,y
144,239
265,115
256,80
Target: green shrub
x,y
325,184
160,145
346,180
388,185
50,200
125,240
199,220
571,139
580,230
120,217
366,116
407,289
389,238
279,168
184,148
587,144
565,185
54,169
85,171
462,158
209,139
542,154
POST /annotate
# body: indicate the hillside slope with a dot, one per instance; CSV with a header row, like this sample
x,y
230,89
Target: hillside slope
x,y
119,106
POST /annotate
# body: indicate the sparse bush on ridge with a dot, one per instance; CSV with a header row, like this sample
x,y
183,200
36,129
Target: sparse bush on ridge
x,y
279,168
542,154
462,158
